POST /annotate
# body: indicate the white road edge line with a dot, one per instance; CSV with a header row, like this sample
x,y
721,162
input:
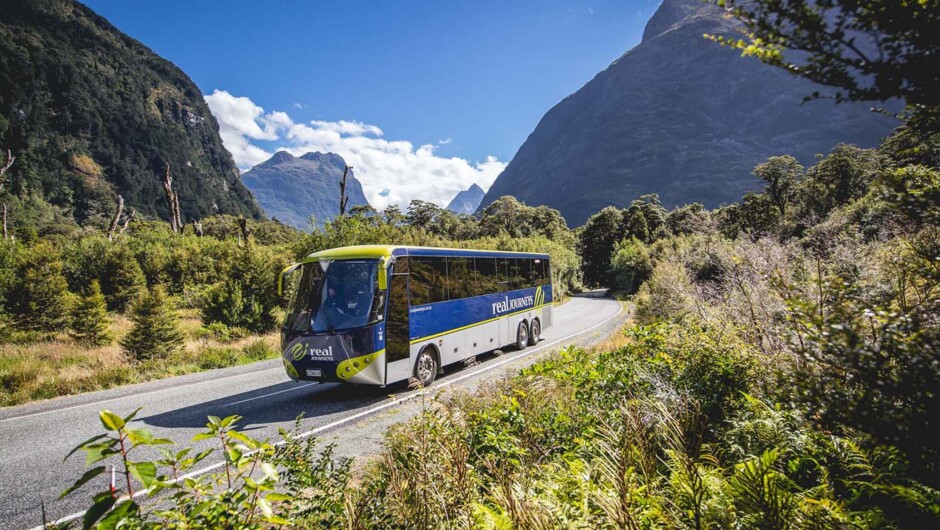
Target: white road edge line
x,y
486,368
174,387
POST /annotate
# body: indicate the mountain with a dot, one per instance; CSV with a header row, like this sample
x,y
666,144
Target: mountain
x,y
90,113
679,116
291,189
467,200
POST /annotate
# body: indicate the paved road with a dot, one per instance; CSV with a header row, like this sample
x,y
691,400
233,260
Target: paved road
x,y
34,438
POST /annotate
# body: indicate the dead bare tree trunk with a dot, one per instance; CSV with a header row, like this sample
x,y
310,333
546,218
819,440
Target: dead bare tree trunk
x,y
6,167
5,235
197,227
343,198
127,221
245,231
116,219
172,198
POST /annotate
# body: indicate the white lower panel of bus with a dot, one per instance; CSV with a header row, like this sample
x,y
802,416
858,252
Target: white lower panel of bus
x,y
459,345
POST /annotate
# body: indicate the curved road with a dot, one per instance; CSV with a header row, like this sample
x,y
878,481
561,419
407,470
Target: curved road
x,y
34,438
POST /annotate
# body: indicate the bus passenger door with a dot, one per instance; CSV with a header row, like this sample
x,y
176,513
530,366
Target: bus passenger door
x,y
397,336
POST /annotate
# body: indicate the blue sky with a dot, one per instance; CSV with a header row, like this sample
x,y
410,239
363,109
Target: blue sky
x,y
467,80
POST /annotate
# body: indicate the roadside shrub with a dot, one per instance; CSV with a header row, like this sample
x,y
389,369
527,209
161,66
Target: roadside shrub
x,y
219,332
666,295
122,279
155,333
630,265
90,324
40,302
248,297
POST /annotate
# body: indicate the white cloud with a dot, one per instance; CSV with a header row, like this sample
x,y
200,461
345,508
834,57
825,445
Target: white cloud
x,y
391,171
299,106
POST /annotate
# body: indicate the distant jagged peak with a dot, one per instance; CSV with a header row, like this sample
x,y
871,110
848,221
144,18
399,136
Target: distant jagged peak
x,y
672,12
280,157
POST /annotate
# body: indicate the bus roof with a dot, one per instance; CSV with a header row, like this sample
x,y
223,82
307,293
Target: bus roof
x,y
385,251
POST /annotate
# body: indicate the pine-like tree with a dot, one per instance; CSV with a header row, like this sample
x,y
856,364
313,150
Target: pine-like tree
x,y
40,302
156,333
90,323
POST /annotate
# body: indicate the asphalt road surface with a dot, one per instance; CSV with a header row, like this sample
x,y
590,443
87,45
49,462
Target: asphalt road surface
x,y
35,438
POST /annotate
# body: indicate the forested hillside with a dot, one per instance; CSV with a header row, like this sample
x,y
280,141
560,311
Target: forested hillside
x,y
90,113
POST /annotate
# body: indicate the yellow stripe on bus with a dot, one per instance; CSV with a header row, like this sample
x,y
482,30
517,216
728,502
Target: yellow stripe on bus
x,y
436,335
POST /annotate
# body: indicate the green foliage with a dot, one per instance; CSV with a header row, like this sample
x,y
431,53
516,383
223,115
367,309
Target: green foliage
x,y
121,277
630,265
39,299
246,298
156,333
90,324
241,497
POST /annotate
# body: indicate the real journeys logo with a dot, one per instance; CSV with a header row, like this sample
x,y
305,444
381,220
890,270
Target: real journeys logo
x,y
300,349
512,304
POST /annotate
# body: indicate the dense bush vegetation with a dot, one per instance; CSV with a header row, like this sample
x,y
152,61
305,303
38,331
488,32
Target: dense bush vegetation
x,y
227,277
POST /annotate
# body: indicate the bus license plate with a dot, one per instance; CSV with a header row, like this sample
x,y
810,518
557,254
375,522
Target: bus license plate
x,y
314,373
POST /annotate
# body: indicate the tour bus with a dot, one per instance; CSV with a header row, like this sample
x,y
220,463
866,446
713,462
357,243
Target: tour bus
x,y
379,314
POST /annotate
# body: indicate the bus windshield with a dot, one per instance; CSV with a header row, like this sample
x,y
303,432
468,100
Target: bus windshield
x,y
336,295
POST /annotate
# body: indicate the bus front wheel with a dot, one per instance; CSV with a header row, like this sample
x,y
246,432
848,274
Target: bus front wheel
x,y
522,336
534,332
426,367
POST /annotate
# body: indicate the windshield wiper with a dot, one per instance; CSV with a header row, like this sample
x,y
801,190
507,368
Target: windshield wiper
x,y
329,321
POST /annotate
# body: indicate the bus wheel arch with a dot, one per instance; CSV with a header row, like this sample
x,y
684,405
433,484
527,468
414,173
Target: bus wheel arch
x,y
535,331
427,365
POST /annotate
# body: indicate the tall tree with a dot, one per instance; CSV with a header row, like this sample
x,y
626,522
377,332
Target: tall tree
x,y
156,333
782,174
90,322
868,50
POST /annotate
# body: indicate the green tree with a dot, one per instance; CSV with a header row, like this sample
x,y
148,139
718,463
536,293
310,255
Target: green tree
x,y
596,243
40,302
122,279
867,49
90,323
155,333
782,174
247,298
844,175
630,265
634,224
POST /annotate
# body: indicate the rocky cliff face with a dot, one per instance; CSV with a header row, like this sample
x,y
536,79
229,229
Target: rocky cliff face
x,y
90,113
467,201
292,189
679,116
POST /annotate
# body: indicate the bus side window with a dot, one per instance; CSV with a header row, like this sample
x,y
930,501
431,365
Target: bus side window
x,y
502,273
420,281
459,278
486,276
533,272
516,277
431,272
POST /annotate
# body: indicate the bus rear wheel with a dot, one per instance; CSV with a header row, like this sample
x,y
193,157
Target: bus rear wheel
x,y
534,332
426,367
522,336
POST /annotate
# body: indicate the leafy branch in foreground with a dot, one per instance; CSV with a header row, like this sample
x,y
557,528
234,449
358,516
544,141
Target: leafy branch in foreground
x,y
869,50
241,497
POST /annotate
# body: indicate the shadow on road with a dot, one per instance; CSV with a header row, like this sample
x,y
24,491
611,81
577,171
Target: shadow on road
x,y
284,402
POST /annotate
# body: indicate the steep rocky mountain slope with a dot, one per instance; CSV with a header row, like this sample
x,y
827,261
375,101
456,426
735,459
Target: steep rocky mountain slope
x,y
467,200
90,113
292,189
679,116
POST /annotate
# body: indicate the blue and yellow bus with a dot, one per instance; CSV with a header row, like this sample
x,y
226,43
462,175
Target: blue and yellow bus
x,y
380,314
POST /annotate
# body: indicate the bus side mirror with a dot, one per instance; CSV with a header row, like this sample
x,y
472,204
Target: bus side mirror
x,y
280,278
383,276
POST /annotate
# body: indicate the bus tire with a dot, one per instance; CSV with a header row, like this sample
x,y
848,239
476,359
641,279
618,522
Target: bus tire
x,y
535,332
522,336
426,367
